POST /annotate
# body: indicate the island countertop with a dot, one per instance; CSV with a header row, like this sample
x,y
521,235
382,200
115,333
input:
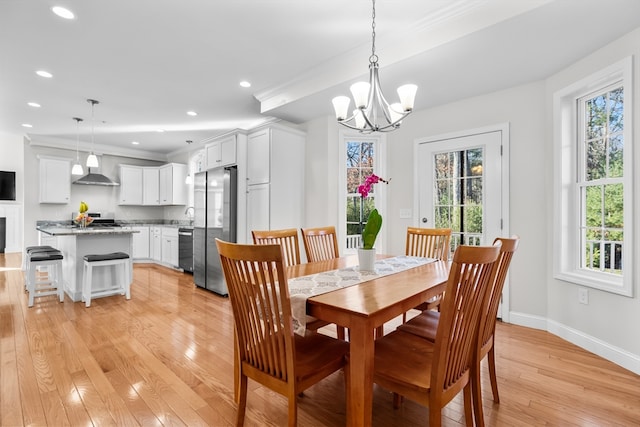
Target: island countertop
x,y
77,231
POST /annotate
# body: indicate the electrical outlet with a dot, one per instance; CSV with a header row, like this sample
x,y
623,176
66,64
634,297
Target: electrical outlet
x,y
405,213
583,296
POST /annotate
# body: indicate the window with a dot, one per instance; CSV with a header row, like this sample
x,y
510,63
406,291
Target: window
x,y
360,156
593,181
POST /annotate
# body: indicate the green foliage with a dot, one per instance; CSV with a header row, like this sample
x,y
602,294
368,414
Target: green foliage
x,y
371,229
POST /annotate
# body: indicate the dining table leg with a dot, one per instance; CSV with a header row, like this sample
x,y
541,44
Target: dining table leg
x,y
361,358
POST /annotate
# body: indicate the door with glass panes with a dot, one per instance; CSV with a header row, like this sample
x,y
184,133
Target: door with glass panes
x,y
460,180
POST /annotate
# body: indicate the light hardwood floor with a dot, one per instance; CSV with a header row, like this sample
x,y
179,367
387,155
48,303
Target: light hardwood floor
x,y
165,358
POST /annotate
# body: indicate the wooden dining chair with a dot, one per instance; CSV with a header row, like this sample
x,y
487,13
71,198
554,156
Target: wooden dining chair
x,y
433,373
320,243
428,243
425,325
287,238
268,351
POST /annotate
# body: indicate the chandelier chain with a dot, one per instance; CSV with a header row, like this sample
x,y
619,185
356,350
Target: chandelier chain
x,y
373,58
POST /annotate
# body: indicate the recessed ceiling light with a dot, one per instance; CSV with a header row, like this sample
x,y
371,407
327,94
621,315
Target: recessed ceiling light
x,y
135,142
160,130
245,83
33,104
27,125
45,74
192,113
62,12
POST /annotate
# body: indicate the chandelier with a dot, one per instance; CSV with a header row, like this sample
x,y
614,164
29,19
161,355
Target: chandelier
x,y
77,167
373,113
92,160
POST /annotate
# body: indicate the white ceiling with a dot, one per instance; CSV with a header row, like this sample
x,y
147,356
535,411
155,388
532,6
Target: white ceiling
x,y
148,62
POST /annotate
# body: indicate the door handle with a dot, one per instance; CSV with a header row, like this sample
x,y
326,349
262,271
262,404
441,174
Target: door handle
x,y
425,220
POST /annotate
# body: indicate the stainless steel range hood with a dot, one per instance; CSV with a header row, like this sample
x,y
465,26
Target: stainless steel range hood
x,y
95,179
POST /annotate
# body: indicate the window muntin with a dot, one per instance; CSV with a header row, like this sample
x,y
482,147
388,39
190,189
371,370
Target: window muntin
x,y
601,180
361,158
458,197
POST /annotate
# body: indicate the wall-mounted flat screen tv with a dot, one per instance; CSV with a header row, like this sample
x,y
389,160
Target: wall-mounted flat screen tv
x,y
7,185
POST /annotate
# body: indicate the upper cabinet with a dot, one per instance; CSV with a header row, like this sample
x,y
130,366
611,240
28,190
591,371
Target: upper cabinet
x,y
173,188
221,152
55,180
130,185
153,186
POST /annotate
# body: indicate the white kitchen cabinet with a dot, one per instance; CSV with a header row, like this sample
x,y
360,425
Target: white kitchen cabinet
x,y
141,243
275,178
55,180
155,243
130,185
221,152
173,189
151,186
170,254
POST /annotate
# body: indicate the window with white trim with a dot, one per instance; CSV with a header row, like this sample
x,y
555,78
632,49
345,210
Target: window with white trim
x,y
360,156
594,181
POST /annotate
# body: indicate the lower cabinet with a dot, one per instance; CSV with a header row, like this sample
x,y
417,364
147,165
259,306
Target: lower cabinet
x,y
155,244
141,243
170,254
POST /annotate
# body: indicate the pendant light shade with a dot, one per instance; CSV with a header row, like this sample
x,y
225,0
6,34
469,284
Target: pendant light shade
x,y
77,167
92,160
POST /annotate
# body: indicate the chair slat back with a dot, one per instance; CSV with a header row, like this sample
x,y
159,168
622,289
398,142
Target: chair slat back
x,y
507,250
470,276
320,244
287,238
428,242
259,298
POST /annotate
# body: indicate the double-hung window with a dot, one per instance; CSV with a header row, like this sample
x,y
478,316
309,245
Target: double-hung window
x,y
594,181
360,156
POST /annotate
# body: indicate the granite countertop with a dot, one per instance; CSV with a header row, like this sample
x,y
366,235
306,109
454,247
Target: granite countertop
x,y
59,230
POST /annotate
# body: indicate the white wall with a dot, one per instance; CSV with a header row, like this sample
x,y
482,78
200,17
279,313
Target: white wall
x,y
608,325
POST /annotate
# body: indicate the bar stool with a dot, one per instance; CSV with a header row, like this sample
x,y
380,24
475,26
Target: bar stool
x,y
53,284
117,259
27,253
26,260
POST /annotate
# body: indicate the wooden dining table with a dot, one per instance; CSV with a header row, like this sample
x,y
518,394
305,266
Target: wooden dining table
x,y
364,307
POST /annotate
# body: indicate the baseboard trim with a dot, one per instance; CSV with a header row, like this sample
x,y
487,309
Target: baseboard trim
x,y
603,349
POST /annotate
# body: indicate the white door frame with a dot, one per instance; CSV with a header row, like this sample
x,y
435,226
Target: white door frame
x,y
503,128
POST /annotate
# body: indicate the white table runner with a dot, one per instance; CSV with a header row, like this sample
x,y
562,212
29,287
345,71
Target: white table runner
x,y
301,288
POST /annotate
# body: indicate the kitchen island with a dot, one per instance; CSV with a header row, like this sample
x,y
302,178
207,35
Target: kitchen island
x,y
76,242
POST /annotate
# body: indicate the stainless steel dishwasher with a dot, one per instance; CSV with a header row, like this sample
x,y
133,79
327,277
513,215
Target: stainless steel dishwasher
x,y
185,249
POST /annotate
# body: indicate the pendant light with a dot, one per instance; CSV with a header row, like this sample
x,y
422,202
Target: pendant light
x,y
77,167
92,160
373,113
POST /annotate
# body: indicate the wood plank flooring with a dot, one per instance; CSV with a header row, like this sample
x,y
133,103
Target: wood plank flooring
x,y
165,357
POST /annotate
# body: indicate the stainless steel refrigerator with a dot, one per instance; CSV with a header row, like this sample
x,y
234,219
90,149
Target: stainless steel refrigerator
x,y
215,202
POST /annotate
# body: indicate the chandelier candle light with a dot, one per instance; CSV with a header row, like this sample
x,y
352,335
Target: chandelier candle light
x,y
373,113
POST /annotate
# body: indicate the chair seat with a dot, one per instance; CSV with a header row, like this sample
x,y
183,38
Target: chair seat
x,y
412,368
310,361
106,257
31,249
46,256
423,325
